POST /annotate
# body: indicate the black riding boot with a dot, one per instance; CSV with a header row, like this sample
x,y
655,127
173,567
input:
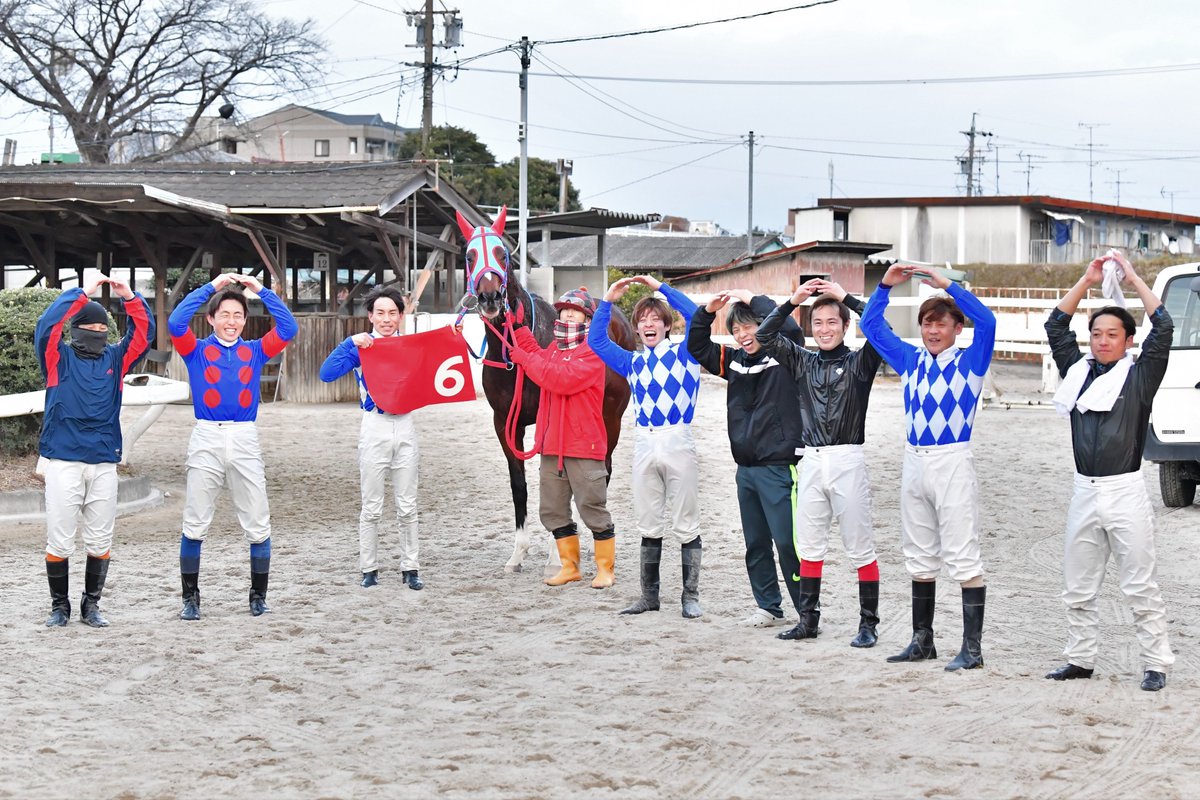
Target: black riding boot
x,y
868,614
191,595
58,575
810,611
650,555
971,655
921,647
94,576
692,556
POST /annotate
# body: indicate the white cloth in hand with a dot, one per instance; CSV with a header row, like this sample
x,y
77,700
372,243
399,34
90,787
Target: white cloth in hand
x,y
1113,275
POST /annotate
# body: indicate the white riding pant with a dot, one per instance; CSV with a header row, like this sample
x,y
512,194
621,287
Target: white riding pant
x,y
833,484
1112,514
387,446
939,512
666,482
224,454
78,492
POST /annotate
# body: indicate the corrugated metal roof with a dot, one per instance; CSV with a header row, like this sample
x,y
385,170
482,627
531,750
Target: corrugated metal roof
x,y
861,248
648,252
235,186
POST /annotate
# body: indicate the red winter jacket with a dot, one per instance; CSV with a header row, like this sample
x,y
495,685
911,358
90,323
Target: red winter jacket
x,y
570,421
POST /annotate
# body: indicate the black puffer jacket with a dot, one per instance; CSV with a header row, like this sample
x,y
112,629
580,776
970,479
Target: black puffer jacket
x,y
763,409
835,385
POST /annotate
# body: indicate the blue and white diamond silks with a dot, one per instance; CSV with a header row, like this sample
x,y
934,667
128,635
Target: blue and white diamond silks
x,y
665,383
940,398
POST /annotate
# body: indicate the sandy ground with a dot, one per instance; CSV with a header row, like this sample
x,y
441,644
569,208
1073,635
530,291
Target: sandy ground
x,y
492,684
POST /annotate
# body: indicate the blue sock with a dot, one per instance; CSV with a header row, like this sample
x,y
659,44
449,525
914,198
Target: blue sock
x,y
260,557
189,555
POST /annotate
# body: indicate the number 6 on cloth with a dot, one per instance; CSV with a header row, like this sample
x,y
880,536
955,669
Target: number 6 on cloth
x,y
404,373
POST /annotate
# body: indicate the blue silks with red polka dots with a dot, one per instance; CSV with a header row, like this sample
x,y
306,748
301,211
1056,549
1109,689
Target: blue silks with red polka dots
x,y
225,377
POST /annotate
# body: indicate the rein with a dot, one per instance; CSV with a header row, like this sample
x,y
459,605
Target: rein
x,y
512,421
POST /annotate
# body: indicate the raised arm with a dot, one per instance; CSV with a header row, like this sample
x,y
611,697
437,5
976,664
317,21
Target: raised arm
x,y
618,359
140,329
983,341
47,334
713,357
182,338
890,346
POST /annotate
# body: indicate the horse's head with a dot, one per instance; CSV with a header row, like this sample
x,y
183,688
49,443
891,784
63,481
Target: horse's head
x,y
487,264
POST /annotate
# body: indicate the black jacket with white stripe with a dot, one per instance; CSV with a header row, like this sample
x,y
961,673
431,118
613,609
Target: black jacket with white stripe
x,y
763,406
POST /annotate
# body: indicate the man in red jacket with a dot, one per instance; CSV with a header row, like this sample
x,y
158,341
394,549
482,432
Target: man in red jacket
x,y
571,436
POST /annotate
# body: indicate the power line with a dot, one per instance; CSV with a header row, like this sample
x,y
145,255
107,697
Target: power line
x,y
592,195
684,26
1036,76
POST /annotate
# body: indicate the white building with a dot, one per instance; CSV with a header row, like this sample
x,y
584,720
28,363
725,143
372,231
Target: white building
x,y
993,230
297,133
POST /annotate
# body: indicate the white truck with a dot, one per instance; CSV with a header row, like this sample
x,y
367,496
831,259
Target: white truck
x,y
1173,441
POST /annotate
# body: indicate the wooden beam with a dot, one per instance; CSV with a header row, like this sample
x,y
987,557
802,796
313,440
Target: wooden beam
x,y
396,229
286,234
40,261
268,260
393,257
435,256
189,268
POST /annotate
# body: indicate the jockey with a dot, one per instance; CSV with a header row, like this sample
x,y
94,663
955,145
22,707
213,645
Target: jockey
x,y
387,445
224,371
665,381
571,436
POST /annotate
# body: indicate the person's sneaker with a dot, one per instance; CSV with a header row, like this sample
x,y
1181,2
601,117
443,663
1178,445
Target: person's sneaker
x,y
413,580
370,579
761,618
1069,672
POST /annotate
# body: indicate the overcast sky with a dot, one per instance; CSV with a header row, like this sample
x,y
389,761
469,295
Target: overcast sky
x,y
882,139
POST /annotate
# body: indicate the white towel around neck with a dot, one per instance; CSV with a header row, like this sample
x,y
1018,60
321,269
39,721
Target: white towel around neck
x,y
1100,396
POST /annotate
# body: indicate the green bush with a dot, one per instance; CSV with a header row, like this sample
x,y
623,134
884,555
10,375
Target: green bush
x,y
19,370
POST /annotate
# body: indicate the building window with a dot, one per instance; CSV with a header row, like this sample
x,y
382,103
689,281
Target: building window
x,y
321,148
841,225
353,145
229,145
375,148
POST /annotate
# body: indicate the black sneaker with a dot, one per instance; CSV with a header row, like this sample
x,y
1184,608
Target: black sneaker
x,y
413,580
370,579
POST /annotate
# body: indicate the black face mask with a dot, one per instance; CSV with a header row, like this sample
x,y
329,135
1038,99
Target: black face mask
x,y
88,344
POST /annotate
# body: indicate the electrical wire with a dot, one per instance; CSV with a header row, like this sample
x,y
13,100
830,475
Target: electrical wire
x,y
592,195
684,26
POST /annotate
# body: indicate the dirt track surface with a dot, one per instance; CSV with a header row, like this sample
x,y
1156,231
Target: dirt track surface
x,y
492,684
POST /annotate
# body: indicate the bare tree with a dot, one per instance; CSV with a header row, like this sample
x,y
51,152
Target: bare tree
x,y
116,69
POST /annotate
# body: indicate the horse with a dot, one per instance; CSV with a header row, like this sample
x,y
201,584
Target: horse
x,y
495,289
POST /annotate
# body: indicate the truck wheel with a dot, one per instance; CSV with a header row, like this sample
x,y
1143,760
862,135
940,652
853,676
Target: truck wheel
x,y
1177,490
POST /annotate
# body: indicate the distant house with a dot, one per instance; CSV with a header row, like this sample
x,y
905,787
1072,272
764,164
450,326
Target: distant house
x,y
297,133
994,230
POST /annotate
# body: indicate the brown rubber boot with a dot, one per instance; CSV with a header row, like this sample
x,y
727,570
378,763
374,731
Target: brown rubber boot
x,y
568,553
606,557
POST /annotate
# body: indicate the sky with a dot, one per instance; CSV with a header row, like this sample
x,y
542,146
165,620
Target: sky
x,y
674,141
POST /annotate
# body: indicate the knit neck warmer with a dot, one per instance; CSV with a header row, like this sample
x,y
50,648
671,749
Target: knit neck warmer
x,y
569,335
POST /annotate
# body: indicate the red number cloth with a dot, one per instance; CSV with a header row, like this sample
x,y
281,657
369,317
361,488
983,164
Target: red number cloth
x,y
404,373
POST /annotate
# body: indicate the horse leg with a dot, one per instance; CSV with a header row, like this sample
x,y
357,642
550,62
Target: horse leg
x,y
520,495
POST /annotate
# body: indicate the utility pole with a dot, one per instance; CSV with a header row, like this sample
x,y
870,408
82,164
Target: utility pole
x,y
997,149
750,203
563,168
1118,182
1029,167
427,94
451,37
968,166
1091,126
831,179
523,178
